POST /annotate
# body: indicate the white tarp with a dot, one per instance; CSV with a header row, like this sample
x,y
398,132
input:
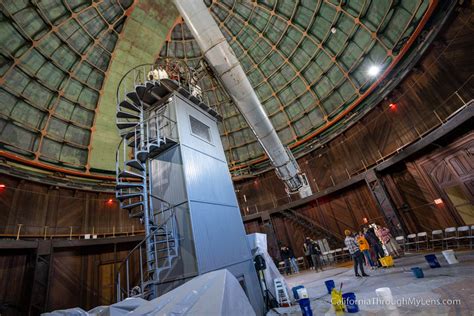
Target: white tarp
x,y
214,293
258,245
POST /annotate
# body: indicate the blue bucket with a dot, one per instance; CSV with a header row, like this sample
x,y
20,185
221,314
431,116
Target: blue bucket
x,y
349,300
432,261
295,291
305,305
330,285
418,272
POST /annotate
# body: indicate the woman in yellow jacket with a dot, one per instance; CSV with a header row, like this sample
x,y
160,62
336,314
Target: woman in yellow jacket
x,y
364,247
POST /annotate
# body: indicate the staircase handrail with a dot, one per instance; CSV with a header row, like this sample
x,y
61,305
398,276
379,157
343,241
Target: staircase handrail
x,y
171,207
167,61
336,235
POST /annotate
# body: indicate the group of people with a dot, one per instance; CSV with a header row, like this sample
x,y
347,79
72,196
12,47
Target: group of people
x,y
369,245
312,253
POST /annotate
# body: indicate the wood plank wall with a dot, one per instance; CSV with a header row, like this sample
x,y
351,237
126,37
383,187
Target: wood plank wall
x,y
36,205
416,184
337,212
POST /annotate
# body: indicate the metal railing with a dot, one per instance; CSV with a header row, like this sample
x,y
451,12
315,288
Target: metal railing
x,y
25,231
169,68
142,274
150,132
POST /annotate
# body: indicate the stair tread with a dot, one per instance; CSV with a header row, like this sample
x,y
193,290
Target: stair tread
x,y
129,174
126,185
121,114
140,91
160,91
135,164
131,205
135,98
128,105
122,197
123,125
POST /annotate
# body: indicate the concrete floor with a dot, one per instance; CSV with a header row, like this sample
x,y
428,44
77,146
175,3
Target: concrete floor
x,y
448,282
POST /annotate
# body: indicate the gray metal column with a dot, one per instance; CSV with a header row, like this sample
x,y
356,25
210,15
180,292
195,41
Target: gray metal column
x,y
227,67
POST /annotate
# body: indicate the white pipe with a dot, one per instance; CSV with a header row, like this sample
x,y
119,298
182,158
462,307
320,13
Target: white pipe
x,y
226,66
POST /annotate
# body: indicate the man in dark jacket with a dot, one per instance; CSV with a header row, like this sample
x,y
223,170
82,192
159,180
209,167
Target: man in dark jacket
x,y
307,252
374,244
285,256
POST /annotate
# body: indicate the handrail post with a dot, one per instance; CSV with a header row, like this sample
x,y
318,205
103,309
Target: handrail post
x,y
70,232
141,269
127,277
113,231
133,230
118,287
45,232
18,232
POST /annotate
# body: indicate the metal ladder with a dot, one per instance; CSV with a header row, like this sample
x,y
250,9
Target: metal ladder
x,y
281,293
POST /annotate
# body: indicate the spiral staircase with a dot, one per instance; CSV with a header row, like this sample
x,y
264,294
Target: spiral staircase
x,y
146,131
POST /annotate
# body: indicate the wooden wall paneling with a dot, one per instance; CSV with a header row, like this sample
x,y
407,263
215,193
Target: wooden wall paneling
x,y
252,227
15,275
410,221
66,281
341,213
8,200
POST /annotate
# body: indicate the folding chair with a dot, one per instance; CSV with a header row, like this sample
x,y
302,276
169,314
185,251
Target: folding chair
x,y
325,257
338,254
300,262
331,255
281,267
450,234
463,234
411,240
401,242
421,238
436,236
345,253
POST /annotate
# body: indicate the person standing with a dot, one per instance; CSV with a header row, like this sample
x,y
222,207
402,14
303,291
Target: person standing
x,y
384,235
285,257
307,253
293,262
316,255
364,247
356,254
374,244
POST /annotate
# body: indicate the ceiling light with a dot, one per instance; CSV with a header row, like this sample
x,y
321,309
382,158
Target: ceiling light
x,y
373,71
333,30
438,201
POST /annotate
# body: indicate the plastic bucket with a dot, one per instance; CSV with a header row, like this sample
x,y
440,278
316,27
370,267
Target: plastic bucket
x,y
295,291
336,300
386,261
418,272
432,261
385,295
450,256
349,300
330,285
305,305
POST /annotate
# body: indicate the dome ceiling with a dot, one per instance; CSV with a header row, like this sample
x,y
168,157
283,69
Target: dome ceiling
x,y
53,63
307,61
